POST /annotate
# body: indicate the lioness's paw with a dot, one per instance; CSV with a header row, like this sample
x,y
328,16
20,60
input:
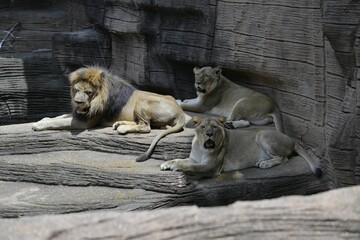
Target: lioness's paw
x,y
168,166
229,125
264,165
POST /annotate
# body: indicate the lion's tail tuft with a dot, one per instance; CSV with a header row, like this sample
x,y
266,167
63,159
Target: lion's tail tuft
x,y
303,153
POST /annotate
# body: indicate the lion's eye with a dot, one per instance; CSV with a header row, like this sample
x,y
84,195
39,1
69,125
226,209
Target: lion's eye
x,y
88,93
202,127
215,127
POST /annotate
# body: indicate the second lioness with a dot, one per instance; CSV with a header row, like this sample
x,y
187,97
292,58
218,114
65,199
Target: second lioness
x,y
215,149
240,106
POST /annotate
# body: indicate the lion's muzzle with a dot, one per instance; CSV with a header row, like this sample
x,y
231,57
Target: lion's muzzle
x,y
82,110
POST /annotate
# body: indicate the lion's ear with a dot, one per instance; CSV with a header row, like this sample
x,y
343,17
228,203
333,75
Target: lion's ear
x,y
220,120
196,120
73,77
98,77
217,71
196,69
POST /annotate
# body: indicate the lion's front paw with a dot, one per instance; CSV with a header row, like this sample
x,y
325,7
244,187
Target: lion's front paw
x,y
38,126
45,119
170,165
116,125
178,101
122,129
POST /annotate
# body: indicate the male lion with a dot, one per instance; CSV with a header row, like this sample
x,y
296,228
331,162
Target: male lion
x,y
100,98
216,149
240,105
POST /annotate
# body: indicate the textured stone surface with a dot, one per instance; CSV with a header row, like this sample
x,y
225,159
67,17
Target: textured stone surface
x,y
28,87
27,199
330,215
305,54
64,158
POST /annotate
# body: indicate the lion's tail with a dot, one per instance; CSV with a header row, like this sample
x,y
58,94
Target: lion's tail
x,y
176,128
303,153
277,120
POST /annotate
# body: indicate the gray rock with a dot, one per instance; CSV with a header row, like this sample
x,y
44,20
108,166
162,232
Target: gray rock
x,y
63,158
334,214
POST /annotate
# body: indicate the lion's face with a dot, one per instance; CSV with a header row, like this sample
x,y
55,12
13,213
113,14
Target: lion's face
x,y
89,91
210,132
206,79
83,93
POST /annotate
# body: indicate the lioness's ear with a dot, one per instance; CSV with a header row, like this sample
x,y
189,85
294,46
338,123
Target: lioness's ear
x,y
217,71
220,120
196,120
196,69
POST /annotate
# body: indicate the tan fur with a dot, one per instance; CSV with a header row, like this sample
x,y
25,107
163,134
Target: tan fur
x,y
216,149
90,89
241,106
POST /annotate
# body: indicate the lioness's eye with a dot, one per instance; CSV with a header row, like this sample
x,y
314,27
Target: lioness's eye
x,y
215,127
203,127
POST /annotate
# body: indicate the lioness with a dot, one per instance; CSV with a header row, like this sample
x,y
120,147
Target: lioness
x,y
101,98
241,106
216,149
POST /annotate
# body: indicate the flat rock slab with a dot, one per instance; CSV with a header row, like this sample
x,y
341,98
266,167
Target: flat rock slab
x,y
24,199
330,215
20,139
84,168
97,177
100,158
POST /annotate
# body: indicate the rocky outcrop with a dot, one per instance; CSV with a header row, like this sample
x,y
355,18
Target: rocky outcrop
x,y
334,214
100,166
304,54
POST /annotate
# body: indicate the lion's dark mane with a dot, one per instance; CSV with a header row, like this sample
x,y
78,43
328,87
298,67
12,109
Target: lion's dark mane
x,y
119,94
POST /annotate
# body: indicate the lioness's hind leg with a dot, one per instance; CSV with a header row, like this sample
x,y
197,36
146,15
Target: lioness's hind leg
x,y
269,163
262,121
248,111
236,124
243,123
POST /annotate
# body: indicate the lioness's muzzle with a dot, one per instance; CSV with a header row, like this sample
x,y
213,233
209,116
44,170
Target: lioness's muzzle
x,y
201,90
209,144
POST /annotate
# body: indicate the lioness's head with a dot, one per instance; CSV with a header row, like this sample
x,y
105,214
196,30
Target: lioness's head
x,y
210,132
206,79
88,90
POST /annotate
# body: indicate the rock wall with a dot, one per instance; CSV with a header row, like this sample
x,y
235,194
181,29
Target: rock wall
x,y
304,53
